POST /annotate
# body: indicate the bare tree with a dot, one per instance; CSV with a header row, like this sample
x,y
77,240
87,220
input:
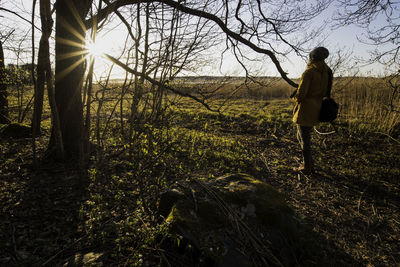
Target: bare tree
x,y
3,88
260,26
381,21
382,33
45,76
19,73
21,70
266,29
39,85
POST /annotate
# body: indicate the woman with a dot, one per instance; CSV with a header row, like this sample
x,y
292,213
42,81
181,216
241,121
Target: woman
x,y
312,89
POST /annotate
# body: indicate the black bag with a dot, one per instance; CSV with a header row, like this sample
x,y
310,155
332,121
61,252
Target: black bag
x,y
329,110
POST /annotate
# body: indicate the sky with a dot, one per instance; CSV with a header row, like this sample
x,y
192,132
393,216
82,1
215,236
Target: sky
x,y
343,38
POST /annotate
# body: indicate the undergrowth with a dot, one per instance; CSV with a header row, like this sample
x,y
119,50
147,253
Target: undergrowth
x,y
55,215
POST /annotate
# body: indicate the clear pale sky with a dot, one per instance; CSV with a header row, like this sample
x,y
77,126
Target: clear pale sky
x,y
342,38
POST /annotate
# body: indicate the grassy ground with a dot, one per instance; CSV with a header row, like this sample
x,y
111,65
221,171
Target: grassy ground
x,y
54,215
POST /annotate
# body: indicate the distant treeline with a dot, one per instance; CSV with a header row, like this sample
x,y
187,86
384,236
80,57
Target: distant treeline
x,y
19,74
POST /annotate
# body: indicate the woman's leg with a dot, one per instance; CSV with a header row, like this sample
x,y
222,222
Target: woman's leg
x,y
304,137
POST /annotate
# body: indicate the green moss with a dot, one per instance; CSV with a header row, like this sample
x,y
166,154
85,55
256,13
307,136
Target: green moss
x,y
270,207
249,197
204,215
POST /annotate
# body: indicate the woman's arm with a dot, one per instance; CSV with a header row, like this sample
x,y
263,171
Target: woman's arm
x,y
304,86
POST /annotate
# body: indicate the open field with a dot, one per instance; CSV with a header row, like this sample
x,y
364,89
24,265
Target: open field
x,y
54,215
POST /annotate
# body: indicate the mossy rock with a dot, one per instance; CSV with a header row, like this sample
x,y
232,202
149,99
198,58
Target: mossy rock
x,y
255,196
15,130
220,219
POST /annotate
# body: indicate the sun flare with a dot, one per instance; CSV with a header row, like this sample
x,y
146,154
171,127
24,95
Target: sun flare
x,y
95,52
96,49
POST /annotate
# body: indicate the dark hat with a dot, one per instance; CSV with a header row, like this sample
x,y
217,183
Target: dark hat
x,y
319,54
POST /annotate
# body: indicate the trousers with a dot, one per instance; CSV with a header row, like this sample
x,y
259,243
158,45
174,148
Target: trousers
x,y
304,138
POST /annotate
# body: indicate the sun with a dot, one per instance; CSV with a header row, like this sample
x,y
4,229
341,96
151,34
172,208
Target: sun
x,y
95,49
95,52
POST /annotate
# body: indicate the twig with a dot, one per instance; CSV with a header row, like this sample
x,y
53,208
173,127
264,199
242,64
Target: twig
x,y
13,240
61,251
385,134
359,202
21,17
158,83
257,244
164,258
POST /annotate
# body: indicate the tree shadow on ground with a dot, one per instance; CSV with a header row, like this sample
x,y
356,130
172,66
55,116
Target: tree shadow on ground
x,y
351,220
326,252
41,226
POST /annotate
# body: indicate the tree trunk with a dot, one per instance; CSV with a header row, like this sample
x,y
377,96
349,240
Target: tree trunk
x,y
45,76
39,89
3,89
69,74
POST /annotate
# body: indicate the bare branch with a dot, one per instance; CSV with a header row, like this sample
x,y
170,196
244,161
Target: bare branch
x,y
19,16
157,83
233,35
199,13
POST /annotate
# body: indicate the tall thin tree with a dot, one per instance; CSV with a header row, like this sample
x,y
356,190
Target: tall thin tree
x,y
3,89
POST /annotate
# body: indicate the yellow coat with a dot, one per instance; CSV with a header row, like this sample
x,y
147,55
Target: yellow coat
x,y
312,88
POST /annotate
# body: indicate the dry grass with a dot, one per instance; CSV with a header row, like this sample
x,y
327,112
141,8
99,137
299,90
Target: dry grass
x,y
237,87
365,102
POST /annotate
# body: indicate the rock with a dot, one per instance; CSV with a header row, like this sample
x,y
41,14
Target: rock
x,y
88,259
234,220
15,130
91,257
167,201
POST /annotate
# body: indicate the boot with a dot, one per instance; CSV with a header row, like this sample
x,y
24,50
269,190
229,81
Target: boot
x,y
304,169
